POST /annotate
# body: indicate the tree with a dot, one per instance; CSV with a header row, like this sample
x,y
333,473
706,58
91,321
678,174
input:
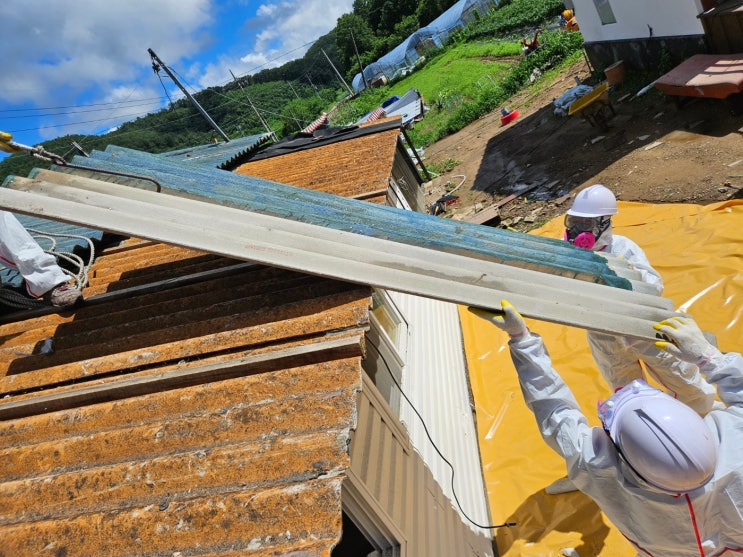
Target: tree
x,y
427,11
352,34
393,12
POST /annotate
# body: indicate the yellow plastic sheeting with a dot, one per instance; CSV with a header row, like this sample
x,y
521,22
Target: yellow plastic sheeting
x,y
698,251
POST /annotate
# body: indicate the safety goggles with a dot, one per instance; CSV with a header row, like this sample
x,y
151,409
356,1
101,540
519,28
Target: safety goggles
x,y
582,224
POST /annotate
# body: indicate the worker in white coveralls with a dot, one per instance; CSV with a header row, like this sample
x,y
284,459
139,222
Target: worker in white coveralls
x,y
670,480
588,225
43,277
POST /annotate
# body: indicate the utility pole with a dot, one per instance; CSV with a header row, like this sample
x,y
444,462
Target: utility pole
x,y
310,80
265,125
293,90
361,68
336,72
157,64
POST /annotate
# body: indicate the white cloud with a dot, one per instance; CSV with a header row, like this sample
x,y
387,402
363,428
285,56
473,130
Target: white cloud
x,y
62,48
284,31
61,54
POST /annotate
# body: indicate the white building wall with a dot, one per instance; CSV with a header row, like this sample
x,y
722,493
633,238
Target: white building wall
x,y
436,382
668,18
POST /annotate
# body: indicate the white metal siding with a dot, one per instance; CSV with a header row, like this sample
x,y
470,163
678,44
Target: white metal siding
x,y
668,18
395,495
436,382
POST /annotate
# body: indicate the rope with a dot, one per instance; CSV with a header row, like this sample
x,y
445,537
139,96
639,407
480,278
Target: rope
x,y
13,299
81,277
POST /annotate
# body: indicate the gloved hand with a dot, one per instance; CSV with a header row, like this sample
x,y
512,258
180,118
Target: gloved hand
x,y
509,320
688,341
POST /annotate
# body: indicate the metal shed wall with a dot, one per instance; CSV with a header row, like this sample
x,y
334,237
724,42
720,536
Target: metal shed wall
x,y
408,499
436,382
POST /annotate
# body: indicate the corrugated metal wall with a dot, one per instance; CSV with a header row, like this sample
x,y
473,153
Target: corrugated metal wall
x,y
409,497
435,380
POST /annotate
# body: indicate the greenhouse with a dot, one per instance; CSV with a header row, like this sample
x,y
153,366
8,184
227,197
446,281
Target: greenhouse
x,y
403,58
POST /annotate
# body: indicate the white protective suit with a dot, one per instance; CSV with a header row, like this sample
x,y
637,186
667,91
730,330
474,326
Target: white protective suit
x,y
706,522
19,251
618,358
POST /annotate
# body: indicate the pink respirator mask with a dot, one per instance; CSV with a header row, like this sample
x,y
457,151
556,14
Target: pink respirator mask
x,y
583,232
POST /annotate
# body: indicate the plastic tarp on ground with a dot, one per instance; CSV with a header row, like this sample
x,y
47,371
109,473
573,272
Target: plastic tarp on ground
x,y
408,52
696,249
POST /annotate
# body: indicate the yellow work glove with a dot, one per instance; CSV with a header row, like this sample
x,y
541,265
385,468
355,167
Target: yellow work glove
x,y
508,320
6,143
687,340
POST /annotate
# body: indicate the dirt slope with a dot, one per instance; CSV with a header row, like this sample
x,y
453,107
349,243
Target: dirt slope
x,y
652,151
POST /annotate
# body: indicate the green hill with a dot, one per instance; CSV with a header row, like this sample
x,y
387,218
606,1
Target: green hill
x,y
455,82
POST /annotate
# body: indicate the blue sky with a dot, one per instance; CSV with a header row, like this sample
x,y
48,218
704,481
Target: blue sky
x,y
83,66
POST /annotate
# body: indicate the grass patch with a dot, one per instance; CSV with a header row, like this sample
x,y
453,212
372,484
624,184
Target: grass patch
x,y
475,74
473,100
441,167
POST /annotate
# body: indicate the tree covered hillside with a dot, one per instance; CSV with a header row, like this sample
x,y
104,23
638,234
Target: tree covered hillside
x,y
291,96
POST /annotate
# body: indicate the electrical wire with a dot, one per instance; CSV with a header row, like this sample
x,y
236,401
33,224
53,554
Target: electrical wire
x,y
428,434
109,107
129,117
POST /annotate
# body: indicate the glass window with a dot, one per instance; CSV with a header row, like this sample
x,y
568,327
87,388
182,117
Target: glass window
x,y
606,14
390,320
386,343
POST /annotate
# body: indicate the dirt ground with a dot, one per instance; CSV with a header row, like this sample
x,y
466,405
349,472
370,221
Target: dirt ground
x,y
527,171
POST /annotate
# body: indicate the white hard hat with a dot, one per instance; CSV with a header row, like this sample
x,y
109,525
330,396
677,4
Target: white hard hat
x,y
594,201
664,441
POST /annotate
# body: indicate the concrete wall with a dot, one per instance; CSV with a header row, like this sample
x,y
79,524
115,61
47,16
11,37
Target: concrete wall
x,y
635,18
646,33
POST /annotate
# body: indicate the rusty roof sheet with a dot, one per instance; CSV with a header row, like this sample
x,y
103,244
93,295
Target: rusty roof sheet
x,y
351,168
351,162
193,401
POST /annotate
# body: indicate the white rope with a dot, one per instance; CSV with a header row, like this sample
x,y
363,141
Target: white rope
x,y
81,277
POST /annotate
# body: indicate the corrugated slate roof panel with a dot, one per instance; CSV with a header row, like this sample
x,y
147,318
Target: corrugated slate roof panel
x,y
204,398
220,154
380,221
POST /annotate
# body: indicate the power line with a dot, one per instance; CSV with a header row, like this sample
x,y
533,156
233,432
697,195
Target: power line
x,y
26,116
125,118
114,103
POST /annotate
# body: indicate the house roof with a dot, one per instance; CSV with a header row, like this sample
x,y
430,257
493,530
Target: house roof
x,y
203,395
192,395
221,154
355,161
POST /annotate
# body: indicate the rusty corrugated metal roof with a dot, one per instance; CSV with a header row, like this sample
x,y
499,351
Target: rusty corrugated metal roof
x,y
356,164
350,168
194,401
